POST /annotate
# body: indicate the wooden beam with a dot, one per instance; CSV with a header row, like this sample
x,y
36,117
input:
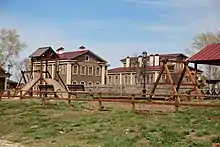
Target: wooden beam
x,y
193,81
176,98
158,78
181,77
195,74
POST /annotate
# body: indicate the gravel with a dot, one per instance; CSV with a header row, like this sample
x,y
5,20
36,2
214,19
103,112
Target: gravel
x,y
6,143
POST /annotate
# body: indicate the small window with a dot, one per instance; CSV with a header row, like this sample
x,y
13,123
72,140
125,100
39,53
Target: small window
x,y
63,69
83,70
152,78
97,71
82,82
75,69
87,58
90,83
74,82
116,79
90,70
97,83
110,79
126,79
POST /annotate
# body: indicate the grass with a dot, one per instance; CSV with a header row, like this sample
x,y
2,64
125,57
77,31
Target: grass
x,y
58,125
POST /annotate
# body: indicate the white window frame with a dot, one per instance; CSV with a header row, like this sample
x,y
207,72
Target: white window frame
x,y
63,69
97,83
116,79
74,82
82,82
77,69
86,56
110,79
82,70
90,83
97,70
89,70
126,79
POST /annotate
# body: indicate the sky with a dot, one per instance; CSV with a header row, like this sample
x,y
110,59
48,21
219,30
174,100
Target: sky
x,y
113,29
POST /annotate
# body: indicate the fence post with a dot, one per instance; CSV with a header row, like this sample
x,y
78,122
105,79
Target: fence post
x,y
20,95
176,103
100,101
133,102
69,101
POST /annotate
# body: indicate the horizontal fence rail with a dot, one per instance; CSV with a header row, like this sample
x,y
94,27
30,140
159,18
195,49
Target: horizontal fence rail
x,y
132,98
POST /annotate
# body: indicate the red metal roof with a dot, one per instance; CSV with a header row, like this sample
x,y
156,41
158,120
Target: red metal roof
x,y
209,55
161,55
132,69
71,55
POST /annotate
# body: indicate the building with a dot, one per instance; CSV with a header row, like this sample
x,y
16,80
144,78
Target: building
x,y
81,66
129,72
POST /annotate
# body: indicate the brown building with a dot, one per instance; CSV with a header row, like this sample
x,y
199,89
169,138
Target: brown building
x,y
77,67
128,74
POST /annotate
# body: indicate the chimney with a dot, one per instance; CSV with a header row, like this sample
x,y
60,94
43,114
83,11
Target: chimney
x,y
128,60
151,62
82,48
140,60
60,51
156,60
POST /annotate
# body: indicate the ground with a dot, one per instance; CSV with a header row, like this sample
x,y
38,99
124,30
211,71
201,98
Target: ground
x,y
32,123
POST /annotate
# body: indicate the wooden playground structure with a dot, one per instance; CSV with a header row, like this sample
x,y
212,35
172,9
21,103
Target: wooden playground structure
x,y
45,85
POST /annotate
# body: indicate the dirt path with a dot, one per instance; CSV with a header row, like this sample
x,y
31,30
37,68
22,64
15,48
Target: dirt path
x,y
6,143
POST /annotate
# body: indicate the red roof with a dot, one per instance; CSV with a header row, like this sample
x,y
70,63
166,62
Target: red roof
x,y
209,55
71,55
162,55
132,69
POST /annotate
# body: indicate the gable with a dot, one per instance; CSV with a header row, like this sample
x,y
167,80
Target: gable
x,y
45,52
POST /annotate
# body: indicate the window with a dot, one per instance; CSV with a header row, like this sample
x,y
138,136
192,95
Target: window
x,y
82,82
126,79
75,69
87,58
97,83
90,83
90,70
135,79
83,70
109,79
74,82
163,78
97,71
152,78
116,79
63,69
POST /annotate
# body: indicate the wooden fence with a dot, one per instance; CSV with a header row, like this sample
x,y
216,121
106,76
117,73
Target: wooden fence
x,y
101,97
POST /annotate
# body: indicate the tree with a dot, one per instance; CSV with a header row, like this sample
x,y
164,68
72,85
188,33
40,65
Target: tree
x,y
22,65
200,42
10,46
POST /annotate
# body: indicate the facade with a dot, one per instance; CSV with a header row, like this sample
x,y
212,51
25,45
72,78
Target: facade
x,y
77,67
129,73
3,79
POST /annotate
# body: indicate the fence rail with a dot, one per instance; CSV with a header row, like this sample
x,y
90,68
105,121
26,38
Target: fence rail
x,y
101,97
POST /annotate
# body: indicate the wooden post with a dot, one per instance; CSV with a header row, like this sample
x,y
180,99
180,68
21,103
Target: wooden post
x,y
195,74
133,103
20,95
158,78
32,69
69,101
181,77
176,98
100,101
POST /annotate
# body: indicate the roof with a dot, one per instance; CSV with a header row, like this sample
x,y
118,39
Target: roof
x,y
132,69
40,51
209,55
173,55
74,54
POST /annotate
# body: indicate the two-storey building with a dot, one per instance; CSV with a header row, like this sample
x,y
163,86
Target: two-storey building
x,y
81,66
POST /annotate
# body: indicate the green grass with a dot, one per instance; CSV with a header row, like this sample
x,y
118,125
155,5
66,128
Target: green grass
x,y
58,125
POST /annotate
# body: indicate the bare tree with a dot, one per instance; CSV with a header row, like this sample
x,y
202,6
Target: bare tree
x,y
10,46
200,42
22,66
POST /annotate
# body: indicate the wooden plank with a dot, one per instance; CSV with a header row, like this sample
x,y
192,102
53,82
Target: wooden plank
x,y
181,77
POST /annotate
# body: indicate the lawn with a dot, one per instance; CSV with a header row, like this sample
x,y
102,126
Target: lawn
x,y
32,123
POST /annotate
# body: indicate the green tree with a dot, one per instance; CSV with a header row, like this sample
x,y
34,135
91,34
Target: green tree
x,y
200,42
10,46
